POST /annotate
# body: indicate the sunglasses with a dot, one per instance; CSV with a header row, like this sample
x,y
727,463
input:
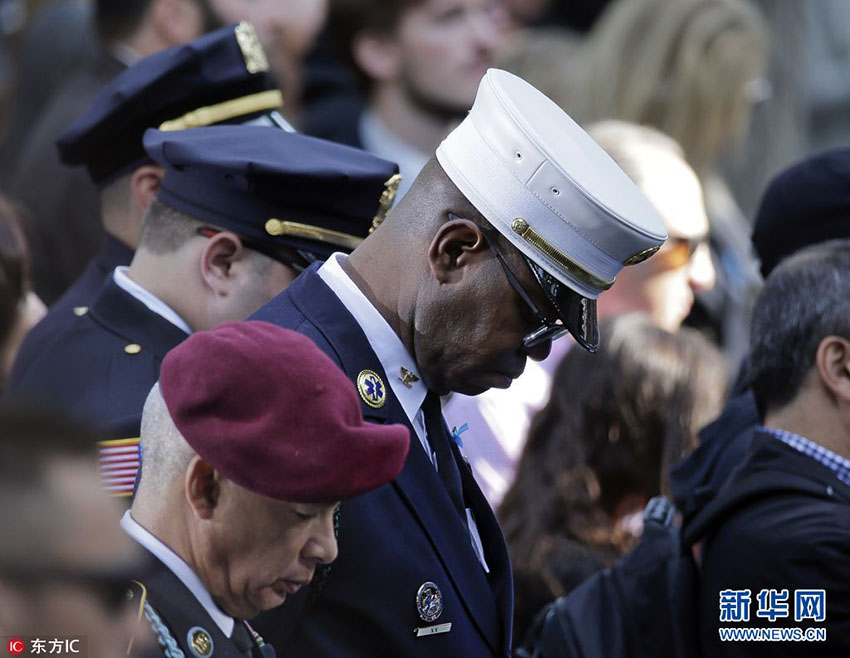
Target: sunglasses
x,y
298,261
547,330
677,252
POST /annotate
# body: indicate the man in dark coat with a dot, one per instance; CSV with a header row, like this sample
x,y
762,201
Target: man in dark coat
x,y
775,542
806,204
211,251
503,243
250,438
64,230
219,78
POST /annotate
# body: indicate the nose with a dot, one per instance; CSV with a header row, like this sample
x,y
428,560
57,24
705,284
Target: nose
x,y
701,274
322,548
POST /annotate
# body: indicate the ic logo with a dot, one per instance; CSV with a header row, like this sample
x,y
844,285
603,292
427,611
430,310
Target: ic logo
x,y
16,647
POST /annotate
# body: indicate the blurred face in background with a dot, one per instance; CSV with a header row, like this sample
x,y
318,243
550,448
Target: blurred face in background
x,y
664,285
72,565
286,28
444,47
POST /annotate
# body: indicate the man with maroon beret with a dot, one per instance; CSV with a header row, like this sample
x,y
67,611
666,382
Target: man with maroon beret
x,y
250,439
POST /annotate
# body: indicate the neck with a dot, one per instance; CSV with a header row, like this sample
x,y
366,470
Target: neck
x,y
816,419
164,277
170,529
420,126
367,267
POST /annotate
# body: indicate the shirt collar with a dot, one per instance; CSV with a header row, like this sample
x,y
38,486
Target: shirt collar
x,y
179,568
834,462
154,303
384,341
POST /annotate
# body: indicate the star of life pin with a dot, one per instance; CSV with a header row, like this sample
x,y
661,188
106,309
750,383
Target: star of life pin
x,y
371,388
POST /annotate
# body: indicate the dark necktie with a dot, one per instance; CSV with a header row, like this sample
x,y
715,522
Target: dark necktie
x,y
242,640
439,440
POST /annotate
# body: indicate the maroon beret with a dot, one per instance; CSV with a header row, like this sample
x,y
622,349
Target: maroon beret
x,y
269,410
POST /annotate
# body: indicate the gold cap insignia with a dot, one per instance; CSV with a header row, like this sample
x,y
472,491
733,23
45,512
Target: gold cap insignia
x,y
371,388
641,256
407,377
385,203
252,49
200,642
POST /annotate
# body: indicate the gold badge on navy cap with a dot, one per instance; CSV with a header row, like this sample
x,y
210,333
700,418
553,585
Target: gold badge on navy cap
x,y
252,50
371,388
200,642
429,602
385,203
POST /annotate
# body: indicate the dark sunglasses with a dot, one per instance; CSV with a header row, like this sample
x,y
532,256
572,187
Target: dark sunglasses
x,y
549,329
299,262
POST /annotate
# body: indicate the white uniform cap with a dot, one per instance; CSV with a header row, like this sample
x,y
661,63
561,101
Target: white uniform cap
x,y
545,185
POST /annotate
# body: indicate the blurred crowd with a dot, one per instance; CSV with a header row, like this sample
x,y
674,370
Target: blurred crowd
x,y
708,106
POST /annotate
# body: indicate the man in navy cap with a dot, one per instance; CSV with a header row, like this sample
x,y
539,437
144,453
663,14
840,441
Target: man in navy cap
x,y
239,212
219,78
503,243
62,199
250,438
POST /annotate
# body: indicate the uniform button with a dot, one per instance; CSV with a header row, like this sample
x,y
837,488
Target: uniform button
x,y
81,310
133,348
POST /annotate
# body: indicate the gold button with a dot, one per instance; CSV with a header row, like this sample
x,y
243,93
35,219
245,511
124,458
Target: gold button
x,y
80,310
133,348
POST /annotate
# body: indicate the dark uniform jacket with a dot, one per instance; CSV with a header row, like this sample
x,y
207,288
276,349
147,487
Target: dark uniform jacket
x,y
394,539
64,229
782,521
74,302
103,367
176,618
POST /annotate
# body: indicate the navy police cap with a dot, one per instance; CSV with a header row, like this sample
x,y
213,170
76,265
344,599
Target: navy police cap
x,y
220,77
274,187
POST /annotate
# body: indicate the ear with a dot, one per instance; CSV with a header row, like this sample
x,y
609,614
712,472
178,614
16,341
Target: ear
x,y
203,487
217,260
457,244
832,361
144,184
377,55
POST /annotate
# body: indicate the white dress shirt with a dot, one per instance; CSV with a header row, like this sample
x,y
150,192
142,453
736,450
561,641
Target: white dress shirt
x,y
154,303
179,568
393,355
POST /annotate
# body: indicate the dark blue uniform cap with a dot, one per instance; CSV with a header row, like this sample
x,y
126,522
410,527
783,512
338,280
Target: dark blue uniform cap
x,y
220,77
807,203
274,187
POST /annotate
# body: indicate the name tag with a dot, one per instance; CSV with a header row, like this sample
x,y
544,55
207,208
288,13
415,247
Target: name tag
x,y
433,630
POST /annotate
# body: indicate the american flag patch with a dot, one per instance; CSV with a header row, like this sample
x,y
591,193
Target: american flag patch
x,y
119,465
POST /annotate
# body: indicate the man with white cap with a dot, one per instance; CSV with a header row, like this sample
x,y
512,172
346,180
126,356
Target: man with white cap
x,y
502,244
